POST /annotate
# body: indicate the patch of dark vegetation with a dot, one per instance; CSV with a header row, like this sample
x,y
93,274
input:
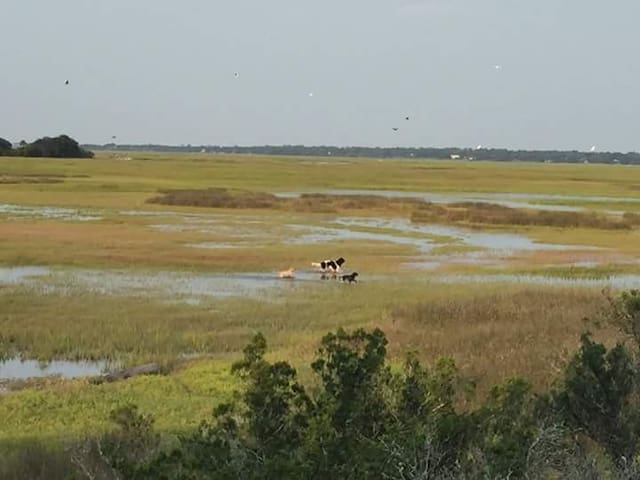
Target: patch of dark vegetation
x,y
35,460
217,198
492,214
61,146
421,212
308,202
364,419
20,179
5,147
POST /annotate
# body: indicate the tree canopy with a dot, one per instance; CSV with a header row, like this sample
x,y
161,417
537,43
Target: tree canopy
x,y
61,146
5,146
463,154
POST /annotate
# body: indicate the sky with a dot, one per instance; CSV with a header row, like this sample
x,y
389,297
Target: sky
x,y
544,74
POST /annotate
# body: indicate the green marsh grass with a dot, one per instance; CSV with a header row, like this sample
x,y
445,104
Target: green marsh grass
x,y
493,331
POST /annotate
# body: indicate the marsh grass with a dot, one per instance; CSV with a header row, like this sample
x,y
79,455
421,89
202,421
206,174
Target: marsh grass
x,y
527,332
30,179
468,322
492,214
73,408
475,213
493,332
305,203
34,459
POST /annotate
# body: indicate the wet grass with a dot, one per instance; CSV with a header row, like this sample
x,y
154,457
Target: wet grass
x,y
129,244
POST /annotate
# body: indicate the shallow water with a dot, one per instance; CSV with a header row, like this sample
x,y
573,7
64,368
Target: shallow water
x,y
492,241
314,235
230,231
14,369
184,287
12,275
58,213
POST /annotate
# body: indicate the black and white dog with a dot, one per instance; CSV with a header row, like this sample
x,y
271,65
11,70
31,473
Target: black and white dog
x,y
351,278
333,266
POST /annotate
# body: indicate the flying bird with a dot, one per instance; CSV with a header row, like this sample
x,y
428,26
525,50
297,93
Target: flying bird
x,y
236,74
406,118
395,129
66,82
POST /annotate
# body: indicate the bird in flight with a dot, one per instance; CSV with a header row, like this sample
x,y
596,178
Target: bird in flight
x,y
236,74
406,118
66,82
395,129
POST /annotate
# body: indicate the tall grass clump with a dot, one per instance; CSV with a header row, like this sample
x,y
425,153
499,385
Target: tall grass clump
x,y
492,214
306,202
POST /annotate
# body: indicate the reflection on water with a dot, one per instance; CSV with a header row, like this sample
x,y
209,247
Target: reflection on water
x,y
19,369
176,286
315,235
20,274
505,242
57,213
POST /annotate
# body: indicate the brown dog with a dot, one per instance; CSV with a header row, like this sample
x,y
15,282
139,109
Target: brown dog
x,y
286,273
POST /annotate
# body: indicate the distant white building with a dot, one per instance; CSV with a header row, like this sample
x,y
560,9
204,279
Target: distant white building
x,y
454,156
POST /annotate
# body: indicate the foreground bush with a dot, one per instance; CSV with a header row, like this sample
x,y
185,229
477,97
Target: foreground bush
x,y
363,420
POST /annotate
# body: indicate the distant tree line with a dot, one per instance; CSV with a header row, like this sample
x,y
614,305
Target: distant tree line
x,y
61,146
494,154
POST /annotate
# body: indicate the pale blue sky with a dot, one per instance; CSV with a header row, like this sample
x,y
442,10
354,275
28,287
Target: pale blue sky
x,y
163,71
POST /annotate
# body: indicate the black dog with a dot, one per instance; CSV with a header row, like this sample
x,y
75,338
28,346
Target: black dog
x,y
329,265
351,278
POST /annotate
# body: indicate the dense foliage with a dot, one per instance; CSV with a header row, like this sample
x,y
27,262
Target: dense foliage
x,y
495,154
5,147
61,146
364,419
